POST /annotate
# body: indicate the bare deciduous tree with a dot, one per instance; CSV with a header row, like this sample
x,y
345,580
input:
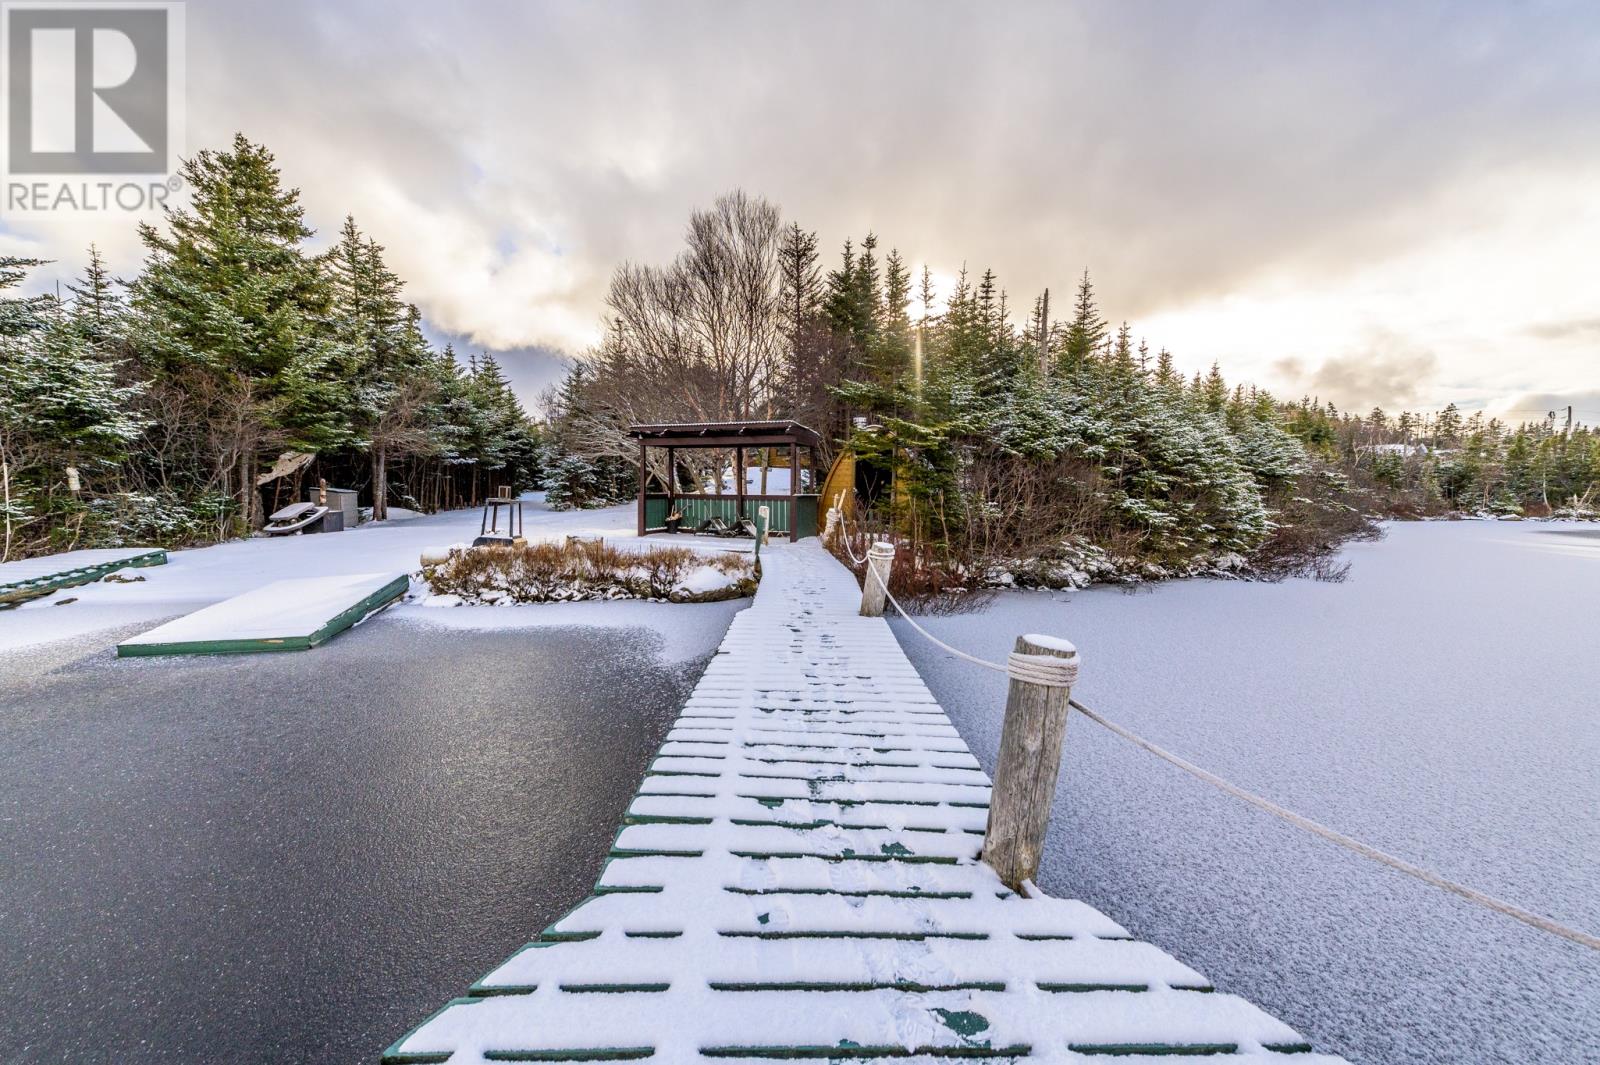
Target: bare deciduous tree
x,y
698,340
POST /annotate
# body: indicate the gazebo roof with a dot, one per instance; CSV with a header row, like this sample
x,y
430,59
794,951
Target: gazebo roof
x,y
727,434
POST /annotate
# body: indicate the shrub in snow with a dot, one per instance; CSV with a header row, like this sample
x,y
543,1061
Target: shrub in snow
x,y
575,483
568,572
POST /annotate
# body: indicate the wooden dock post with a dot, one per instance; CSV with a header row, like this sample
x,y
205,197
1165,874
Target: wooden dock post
x,y
831,528
1042,671
880,560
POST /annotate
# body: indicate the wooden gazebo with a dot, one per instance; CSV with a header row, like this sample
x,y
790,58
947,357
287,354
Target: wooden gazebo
x,y
792,513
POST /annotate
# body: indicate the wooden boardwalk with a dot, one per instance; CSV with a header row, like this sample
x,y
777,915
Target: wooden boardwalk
x,y
798,878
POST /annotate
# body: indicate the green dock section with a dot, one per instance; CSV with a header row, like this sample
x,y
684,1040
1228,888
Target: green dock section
x,y
288,615
31,578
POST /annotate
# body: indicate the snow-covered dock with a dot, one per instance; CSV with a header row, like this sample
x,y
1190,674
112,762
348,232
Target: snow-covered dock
x,y
798,878
30,577
288,615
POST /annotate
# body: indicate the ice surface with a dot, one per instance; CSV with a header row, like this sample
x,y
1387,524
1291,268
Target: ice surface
x,y
800,870
1440,704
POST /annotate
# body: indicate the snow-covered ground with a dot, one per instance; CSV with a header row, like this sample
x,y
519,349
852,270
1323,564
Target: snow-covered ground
x,y
199,577
777,481
1443,704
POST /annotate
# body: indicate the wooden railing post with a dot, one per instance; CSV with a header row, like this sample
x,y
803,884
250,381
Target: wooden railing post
x,y
1042,671
830,528
880,560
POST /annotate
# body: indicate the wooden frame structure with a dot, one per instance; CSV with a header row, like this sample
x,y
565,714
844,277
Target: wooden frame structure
x,y
793,514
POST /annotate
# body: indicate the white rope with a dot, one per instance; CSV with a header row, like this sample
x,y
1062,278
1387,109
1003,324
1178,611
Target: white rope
x,y
1427,877
1061,666
1047,671
930,637
845,539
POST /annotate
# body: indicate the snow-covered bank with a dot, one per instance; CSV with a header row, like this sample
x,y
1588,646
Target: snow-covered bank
x,y
1075,564
583,571
199,577
1439,704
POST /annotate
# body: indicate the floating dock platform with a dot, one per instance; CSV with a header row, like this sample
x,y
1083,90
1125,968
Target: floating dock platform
x,y
30,578
288,615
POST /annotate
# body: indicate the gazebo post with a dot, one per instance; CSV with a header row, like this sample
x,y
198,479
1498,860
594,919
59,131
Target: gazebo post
x,y
738,486
794,489
644,475
672,479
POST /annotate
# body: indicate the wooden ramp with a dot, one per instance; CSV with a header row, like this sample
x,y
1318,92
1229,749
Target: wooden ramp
x,y
290,615
30,578
798,878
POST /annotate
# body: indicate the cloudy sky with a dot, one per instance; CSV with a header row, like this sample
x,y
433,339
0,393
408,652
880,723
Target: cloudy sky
x,y
1385,203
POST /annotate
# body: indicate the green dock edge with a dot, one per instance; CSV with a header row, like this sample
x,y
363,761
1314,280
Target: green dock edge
x,y
344,620
18,592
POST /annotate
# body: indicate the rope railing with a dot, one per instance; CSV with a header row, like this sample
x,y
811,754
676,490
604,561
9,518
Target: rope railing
x,y
1054,672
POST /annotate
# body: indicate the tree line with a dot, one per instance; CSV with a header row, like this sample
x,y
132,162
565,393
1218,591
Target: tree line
x,y
987,431
158,409
1416,464
979,439
239,366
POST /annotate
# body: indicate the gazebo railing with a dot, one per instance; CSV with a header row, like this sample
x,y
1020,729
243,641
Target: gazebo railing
x,y
785,510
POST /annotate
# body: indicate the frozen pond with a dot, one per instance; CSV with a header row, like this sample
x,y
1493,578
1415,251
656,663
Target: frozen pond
x,y
298,857
1442,704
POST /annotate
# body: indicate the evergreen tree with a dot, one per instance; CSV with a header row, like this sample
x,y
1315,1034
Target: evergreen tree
x,y
1086,332
384,358
231,307
96,311
20,314
62,408
800,290
893,341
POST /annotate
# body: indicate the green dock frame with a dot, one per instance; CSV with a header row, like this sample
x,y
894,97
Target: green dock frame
x,y
345,619
17,592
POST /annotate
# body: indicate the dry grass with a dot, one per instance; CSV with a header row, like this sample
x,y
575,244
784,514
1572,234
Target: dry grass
x,y
557,572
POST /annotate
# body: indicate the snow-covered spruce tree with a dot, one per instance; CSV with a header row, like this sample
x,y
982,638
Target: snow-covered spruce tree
x,y
63,407
574,483
230,315
382,357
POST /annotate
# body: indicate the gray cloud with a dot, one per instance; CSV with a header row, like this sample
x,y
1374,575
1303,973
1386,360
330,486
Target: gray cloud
x,y
1537,405
510,154
1567,329
1388,374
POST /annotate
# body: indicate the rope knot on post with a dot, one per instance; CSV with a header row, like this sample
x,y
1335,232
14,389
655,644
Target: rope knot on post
x,y
1047,671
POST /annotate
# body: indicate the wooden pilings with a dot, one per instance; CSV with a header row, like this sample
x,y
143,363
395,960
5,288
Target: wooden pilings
x,y
880,560
1042,670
